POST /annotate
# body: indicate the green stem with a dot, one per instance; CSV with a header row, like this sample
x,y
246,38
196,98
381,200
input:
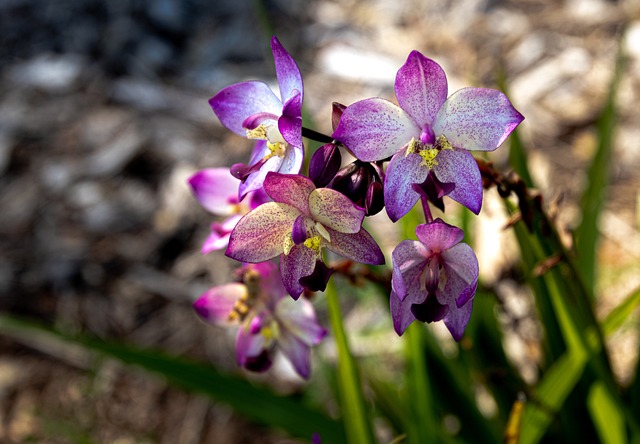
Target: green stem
x,y
356,421
422,427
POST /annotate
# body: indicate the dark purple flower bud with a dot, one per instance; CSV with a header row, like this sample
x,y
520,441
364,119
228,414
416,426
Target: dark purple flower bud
x,y
374,201
324,164
336,113
317,281
354,181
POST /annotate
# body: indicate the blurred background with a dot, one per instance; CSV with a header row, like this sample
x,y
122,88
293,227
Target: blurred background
x,y
104,115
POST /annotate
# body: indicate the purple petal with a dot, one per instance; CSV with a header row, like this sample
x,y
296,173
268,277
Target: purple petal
x,y
402,172
290,189
409,259
287,71
400,313
461,267
219,236
255,180
261,233
257,198
259,152
290,123
335,210
459,166
297,352
252,350
438,236
477,119
216,190
299,230
359,247
299,319
456,320
215,305
374,129
236,102
421,88
299,263
292,161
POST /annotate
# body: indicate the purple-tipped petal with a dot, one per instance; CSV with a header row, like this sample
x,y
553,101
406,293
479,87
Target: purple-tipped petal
x,y
298,263
216,190
374,129
297,352
255,180
457,320
292,161
219,236
460,167
290,123
400,313
409,260
335,210
260,234
215,305
461,266
291,189
299,318
402,172
359,247
421,88
235,103
438,235
287,71
477,119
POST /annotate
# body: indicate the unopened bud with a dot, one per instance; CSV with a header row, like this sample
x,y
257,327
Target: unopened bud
x,y
324,164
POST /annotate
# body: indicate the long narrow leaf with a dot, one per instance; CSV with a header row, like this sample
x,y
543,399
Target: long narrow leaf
x,y
253,402
606,415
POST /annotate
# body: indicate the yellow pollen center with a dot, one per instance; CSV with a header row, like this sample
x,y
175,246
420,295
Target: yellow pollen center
x,y
260,132
428,152
313,243
276,149
428,157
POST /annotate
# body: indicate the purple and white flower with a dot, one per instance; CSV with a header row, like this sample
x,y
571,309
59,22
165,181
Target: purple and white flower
x,y
252,110
300,222
268,319
428,132
217,191
434,278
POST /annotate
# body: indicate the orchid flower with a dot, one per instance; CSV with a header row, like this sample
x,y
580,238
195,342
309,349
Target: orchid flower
x,y
300,222
434,278
428,132
217,191
252,110
268,318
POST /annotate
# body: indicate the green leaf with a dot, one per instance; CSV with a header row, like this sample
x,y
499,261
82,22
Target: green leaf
x,y
616,318
254,402
606,415
592,200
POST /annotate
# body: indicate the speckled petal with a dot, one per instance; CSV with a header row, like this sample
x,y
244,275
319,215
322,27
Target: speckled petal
x,y
374,129
477,119
260,234
359,247
461,266
421,88
216,304
299,318
299,263
438,235
409,259
459,167
287,71
335,210
290,189
399,196
233,104
216,190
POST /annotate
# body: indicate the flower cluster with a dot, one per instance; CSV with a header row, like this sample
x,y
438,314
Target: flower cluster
x,y
274,211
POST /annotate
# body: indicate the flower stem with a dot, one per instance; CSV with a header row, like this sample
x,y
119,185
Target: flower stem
x,y
422,424
314,135
356,421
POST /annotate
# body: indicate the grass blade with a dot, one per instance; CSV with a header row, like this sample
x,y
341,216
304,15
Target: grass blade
x,y
606,415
